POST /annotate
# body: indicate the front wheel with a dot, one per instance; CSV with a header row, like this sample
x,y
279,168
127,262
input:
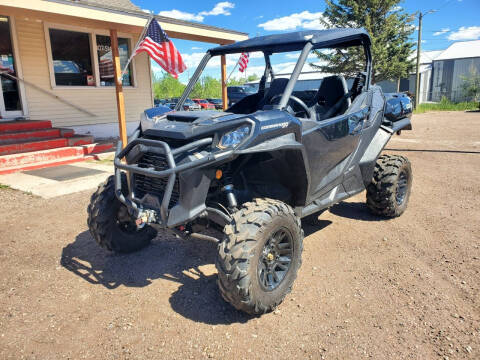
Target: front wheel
x,y
258,260
389,191
111,225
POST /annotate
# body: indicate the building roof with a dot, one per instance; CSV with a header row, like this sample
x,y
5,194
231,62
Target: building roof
x,y
296,41
461,50
127,7
426,57
120,4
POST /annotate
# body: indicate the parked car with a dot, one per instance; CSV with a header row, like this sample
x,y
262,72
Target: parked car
x,y
190,105
258,173
237,93
158,102
218,103
204,104
170,105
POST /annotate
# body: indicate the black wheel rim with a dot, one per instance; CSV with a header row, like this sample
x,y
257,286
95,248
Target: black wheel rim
x,y
402,186
275,260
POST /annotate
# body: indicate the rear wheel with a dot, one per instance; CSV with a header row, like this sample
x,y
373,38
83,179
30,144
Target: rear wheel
x,y
259,258
389,191
111,225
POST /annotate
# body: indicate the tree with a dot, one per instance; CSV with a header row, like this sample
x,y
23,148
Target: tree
x,y
389,28
471,85
207,87
234,81
166,86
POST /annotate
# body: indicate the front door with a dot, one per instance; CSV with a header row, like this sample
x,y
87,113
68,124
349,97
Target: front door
x,y
329,143
10,100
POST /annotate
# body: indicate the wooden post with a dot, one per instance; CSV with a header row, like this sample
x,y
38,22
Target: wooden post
x,y
223,61
122,126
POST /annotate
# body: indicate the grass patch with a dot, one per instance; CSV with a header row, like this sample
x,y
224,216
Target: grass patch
x,y
3,186
108,161
446,105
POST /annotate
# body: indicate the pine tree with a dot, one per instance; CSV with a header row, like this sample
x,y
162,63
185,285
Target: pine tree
x,y
389,28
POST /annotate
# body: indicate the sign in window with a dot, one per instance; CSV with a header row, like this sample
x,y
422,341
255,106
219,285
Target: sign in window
x,y
105,62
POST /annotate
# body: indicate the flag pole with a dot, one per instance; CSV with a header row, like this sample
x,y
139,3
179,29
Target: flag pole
x,y
228,78
122,126
140,38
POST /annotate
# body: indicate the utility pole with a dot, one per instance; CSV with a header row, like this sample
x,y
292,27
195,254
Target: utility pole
x,y
419,45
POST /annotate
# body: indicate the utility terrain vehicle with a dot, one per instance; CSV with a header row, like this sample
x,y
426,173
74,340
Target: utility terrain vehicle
x,y
257,170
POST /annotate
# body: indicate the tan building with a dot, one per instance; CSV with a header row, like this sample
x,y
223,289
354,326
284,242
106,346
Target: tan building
x,y
61,49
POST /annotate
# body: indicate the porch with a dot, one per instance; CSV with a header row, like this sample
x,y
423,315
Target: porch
x,y
63,53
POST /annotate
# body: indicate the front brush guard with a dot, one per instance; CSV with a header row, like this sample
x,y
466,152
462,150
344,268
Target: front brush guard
x,y
159,147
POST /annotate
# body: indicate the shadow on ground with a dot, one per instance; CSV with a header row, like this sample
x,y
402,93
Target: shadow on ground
x,y
197,297
355,211
435,151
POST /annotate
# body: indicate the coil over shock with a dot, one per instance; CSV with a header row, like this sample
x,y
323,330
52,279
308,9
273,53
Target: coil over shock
x,y
228,189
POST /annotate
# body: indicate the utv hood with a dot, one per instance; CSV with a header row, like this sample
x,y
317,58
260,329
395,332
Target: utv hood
x,y
188,124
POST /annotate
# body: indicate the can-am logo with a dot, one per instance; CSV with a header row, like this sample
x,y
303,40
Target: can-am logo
x,y
273,126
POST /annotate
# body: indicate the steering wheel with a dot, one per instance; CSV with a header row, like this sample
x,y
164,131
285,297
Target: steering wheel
x,y
297,101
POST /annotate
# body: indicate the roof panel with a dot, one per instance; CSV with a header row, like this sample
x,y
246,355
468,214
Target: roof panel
x,y
296,41
460,50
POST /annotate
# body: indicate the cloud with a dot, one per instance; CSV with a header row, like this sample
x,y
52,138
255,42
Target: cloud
x,y
295,55
443,31
256,55
305,20
465,33
221,8
193,59
397,8
181,15
196,48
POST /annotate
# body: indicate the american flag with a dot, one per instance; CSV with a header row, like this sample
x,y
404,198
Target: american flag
x,y
157,44
243,62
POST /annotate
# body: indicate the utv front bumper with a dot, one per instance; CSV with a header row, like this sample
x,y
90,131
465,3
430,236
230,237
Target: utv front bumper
x,y
170,192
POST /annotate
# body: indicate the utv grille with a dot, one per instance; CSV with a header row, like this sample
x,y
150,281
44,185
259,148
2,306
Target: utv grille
x,y
173,143
155,186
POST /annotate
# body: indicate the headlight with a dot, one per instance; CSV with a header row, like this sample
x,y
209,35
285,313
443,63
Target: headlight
x,y
232,138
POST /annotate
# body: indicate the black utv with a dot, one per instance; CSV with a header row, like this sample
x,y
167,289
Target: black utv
x,y
259,169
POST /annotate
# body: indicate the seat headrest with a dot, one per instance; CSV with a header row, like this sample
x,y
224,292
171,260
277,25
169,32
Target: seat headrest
x,y
331,89
277,86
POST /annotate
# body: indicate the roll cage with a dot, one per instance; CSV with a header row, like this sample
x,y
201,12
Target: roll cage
x,y
304,41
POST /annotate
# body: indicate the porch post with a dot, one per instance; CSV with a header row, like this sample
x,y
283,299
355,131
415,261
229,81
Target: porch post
x,y
122,127
223,61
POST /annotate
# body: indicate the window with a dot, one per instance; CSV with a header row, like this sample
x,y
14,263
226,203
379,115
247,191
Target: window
x,y
72,61
105,63
85,58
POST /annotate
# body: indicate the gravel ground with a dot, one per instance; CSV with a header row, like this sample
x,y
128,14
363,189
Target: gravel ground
x,y
406,288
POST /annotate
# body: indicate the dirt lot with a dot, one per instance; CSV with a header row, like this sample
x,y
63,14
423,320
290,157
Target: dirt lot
x,y
402,288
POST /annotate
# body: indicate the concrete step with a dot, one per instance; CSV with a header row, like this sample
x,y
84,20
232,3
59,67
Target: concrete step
x,y
31,135
24,125
45,164
52,157
45,144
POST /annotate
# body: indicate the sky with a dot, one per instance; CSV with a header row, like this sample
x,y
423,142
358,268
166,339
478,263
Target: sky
x,y
454,20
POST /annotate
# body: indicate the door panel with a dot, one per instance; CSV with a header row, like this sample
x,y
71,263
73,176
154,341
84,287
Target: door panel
x,y
328,144
10,103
